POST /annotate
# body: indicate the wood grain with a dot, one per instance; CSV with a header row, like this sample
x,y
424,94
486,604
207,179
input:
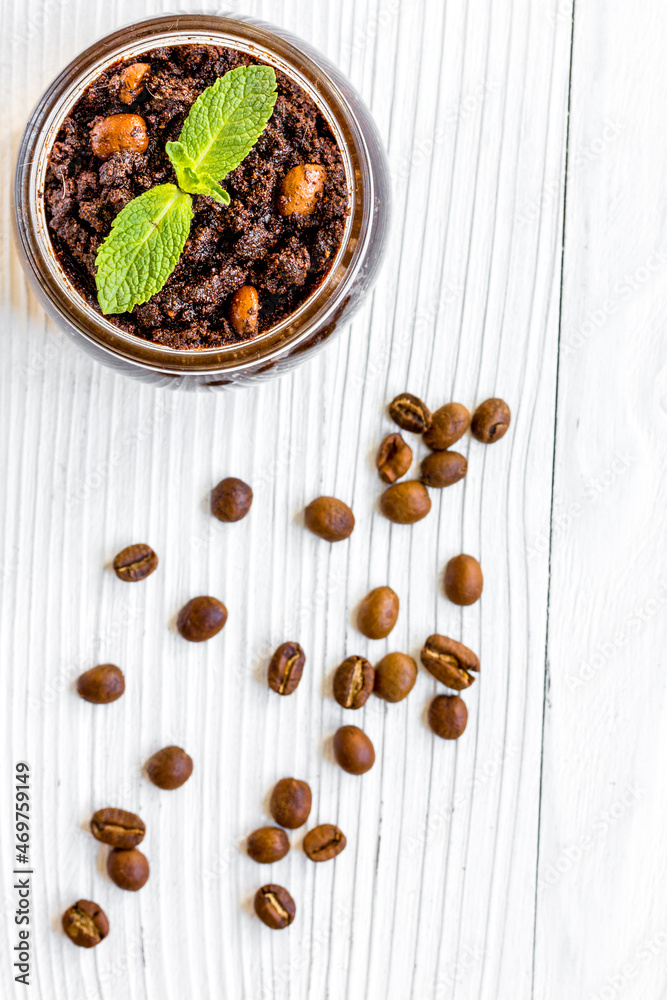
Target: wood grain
x,y
493,285
603,797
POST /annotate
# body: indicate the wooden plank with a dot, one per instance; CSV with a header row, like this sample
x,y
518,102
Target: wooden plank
x,y
435,894
601,922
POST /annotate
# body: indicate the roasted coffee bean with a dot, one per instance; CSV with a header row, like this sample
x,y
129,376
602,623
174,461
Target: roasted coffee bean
x,y
135,563
443,468
286,668
353,682
267,845
406,502
395,676
118,828
101,685
169,768
117,134
231,499
394,458
377,613
449,661
353,750
201,619
410,413
329,518
244,310
448,716
300,189
128,869
291,801
463,580
85,924
449,424
132,81
491,420
324,842
274,906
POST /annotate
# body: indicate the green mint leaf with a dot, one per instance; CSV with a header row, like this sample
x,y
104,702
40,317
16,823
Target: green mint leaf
x,y
143,248
179,159
189,180
226,120
204,184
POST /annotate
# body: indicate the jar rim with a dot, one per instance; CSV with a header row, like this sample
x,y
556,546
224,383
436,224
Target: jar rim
x,y
271,46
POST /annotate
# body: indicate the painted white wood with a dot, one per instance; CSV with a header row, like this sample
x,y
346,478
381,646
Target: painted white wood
x,y
441,890
602,917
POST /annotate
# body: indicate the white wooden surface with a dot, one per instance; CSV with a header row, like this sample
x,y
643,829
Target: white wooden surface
x,y
525,861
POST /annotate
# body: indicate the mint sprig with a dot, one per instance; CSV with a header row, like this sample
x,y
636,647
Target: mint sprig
x,y
148,236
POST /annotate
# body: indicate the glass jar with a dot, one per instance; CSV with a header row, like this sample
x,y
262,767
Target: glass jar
x,y
329,307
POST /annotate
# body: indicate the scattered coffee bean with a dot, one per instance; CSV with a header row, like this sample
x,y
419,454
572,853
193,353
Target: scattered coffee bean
x,y
491,420
267,845
443,468
377,613
244,310
118,828
169,768
291,801
410,413
449,661
201,619
395,676
463,580
449,424
353,682
448,716
329,518
300,189
132,81
101,685
394,458
324,842
85,924
286,668
135,563
128,869
405,503
118,134
231,500
274,906
353,750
